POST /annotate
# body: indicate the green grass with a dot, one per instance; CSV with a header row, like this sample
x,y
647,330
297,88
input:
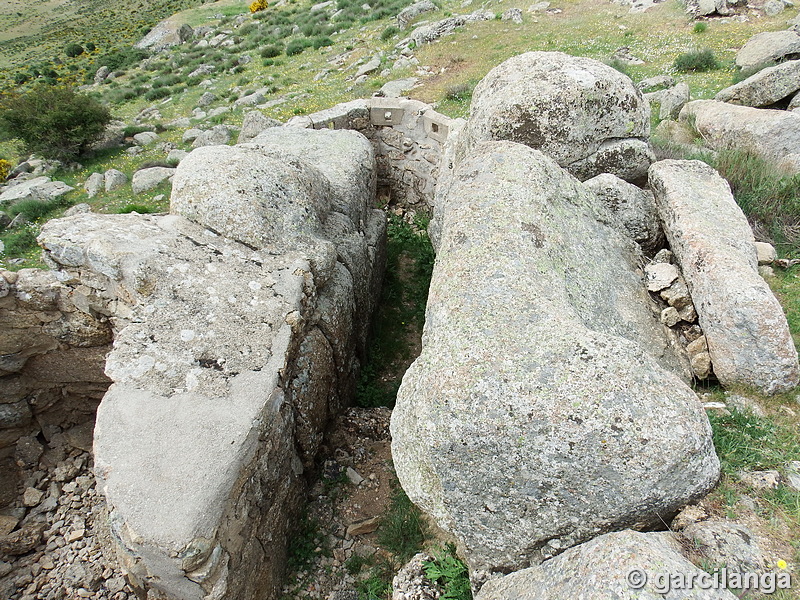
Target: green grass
x,y
401,310
402,530
765,195
20,242
787,287
33,38
746,442
402,533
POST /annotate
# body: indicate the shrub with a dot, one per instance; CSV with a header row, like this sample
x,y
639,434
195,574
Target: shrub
x,y
120,59
619,65
90,47
322,41
296,47
700,27
158,93
389,32
20,78
55,122
72,50
697,61
271,51
5,169
258,5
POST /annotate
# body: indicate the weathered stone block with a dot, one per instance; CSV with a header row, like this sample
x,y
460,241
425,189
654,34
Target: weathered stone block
x,y
748,336
532,419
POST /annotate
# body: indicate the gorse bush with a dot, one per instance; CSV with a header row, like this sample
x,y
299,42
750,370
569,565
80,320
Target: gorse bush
x,y
5,169
389,32
297,46
121,59
322,41
700,27
55,122
258,5
696,61
271,51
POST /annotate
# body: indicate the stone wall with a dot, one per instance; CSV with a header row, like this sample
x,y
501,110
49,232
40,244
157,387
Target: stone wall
x,y
239,323
53,343
408,137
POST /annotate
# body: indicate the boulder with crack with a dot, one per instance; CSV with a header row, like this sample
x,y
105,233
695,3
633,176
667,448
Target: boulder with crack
x,y
544,408
587,116
236,339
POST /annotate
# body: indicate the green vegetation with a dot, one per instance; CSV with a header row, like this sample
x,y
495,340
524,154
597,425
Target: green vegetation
x,y
400,314
746,442
767,197
620,66
55,122
20,242
698,61
389,32
402,530
402,533
303,543
700,27
72,50
450,572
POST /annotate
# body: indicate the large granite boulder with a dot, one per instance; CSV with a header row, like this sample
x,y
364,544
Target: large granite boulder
x,y
169,32
634,207
262,200
254,122
229,359
767,49
150,178
766,87
746,331
625,565
537,415
587,116
38,188
772,134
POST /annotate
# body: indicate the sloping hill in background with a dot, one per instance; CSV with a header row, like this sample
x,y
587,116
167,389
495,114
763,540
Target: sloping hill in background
x,y
33,33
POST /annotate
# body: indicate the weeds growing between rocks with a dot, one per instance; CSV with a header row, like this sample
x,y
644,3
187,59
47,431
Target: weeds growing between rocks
x,y
397,325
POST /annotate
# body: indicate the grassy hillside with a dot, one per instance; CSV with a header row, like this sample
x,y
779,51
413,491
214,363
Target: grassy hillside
x,y
35,33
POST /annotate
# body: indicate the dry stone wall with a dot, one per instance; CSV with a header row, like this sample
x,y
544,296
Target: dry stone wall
x,y
238,331
408,137
52,350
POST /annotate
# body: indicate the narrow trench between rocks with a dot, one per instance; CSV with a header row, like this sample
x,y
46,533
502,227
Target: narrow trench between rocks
x,y
359,528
